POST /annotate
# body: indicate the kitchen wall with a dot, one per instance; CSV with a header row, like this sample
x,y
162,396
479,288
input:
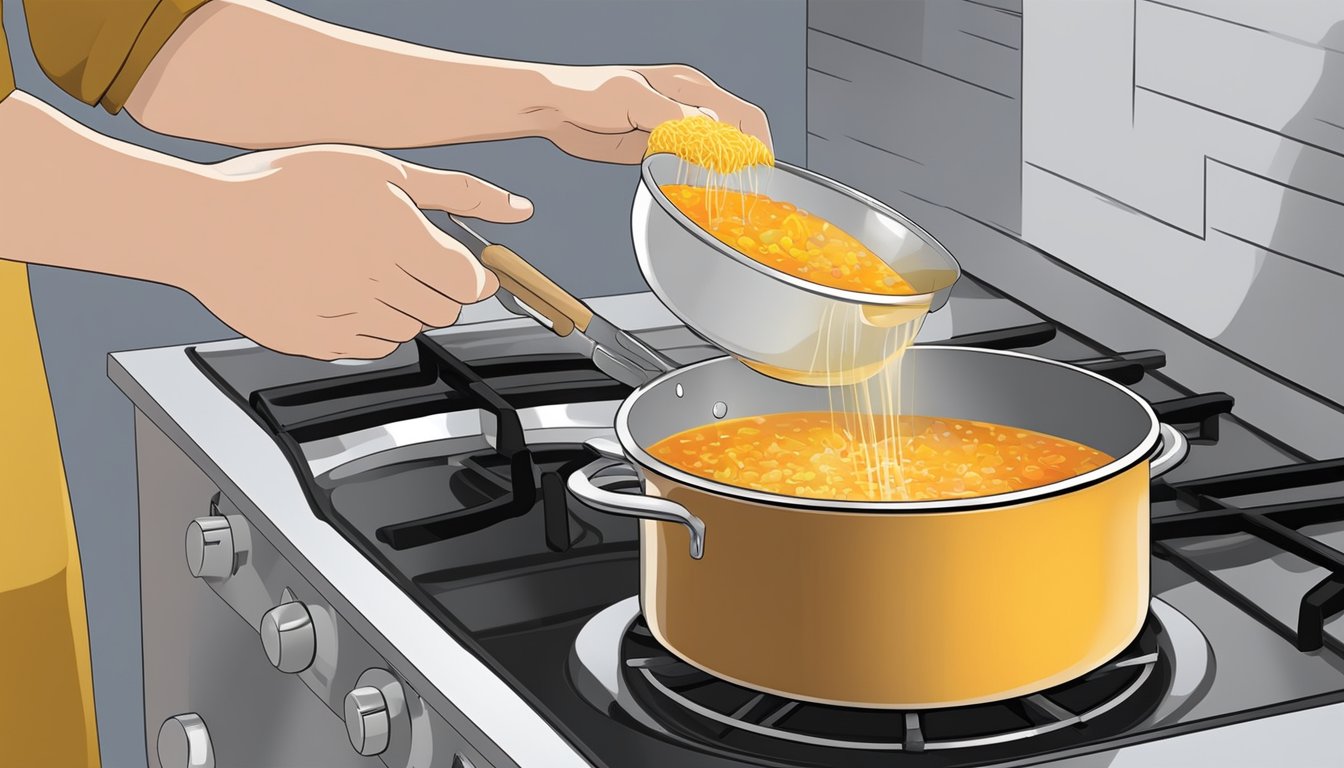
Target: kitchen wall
x,y
1190,154
1090,157
919,98
580,234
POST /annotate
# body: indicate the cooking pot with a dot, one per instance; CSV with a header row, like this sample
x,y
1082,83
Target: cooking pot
x,y
907,604
782,325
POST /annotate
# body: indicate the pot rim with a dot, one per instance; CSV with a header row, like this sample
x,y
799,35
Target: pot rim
x,y
1139,453
839,294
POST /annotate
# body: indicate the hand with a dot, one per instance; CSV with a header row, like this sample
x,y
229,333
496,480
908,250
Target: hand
x,y
324,253
606,113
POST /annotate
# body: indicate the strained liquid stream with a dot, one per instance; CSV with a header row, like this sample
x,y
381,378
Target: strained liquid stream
x,y
717,188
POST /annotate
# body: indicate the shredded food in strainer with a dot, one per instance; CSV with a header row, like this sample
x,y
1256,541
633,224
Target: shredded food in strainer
x,y
709,143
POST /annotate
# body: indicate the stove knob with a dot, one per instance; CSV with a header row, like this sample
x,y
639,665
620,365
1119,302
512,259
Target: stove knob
x,y
288,636
367,720
184,742
210,548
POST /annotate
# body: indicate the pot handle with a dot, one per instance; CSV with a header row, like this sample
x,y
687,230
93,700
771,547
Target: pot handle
x,y
1171,451
581,484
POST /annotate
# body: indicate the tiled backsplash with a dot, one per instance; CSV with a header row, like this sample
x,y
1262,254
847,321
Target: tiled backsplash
x,y
1189,154
920,97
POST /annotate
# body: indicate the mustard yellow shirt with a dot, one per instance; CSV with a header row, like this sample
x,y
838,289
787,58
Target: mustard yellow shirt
x,y
96,50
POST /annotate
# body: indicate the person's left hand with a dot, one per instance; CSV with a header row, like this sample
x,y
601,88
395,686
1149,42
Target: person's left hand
x,y
606,113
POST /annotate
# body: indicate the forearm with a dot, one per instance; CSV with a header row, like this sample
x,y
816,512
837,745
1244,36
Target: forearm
x,y
251,74
73,198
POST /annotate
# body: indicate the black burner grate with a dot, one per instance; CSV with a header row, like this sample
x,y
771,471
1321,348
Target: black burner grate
x,y
511,477
1278,524
1015,337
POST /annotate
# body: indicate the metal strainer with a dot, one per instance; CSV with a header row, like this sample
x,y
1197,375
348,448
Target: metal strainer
x,y
779,324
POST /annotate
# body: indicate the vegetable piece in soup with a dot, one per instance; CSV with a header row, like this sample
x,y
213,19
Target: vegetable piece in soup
x,y
819,455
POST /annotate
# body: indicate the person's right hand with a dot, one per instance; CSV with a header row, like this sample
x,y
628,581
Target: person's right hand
x,y
324,253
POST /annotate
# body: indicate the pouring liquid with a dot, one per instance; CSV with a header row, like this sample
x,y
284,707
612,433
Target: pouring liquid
x,y
859,368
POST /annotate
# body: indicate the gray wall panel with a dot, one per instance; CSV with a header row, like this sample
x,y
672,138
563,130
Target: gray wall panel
x,y
1248,74
963,40
1300,20
888,26
1298,224
920,98
1196,164
1196,168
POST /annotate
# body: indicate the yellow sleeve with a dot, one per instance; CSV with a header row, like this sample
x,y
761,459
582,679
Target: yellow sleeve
x,y
6,72
96,50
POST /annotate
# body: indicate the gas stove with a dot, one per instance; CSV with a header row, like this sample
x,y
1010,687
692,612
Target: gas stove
x,y
426,592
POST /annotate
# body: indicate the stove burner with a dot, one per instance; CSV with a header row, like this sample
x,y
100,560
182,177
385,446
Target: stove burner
x,y
616,661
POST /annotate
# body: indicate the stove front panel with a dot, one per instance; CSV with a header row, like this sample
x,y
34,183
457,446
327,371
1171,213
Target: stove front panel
x,y
203,655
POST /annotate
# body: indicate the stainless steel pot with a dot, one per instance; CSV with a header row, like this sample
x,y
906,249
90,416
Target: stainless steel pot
x,y
782,325
895,604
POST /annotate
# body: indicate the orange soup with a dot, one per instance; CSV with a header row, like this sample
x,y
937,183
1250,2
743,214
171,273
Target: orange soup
x,y
780,236
817,455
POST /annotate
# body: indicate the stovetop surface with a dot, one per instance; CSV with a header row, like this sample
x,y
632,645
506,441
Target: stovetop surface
x,y
471,517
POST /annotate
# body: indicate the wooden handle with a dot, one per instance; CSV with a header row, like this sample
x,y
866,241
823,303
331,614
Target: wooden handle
x,y
536,290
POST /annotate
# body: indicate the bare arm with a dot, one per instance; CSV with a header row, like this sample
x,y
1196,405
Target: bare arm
x,y
252,74
66,202
333,257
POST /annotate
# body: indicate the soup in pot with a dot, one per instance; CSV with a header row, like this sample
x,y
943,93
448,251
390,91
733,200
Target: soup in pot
x,y
862,457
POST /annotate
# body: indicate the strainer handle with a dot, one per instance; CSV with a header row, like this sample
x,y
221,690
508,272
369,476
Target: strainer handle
x,y
536,290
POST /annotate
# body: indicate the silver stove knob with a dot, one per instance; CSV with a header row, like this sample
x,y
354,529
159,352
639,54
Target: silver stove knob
x,y
210,548
367,720
288,635
184,742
